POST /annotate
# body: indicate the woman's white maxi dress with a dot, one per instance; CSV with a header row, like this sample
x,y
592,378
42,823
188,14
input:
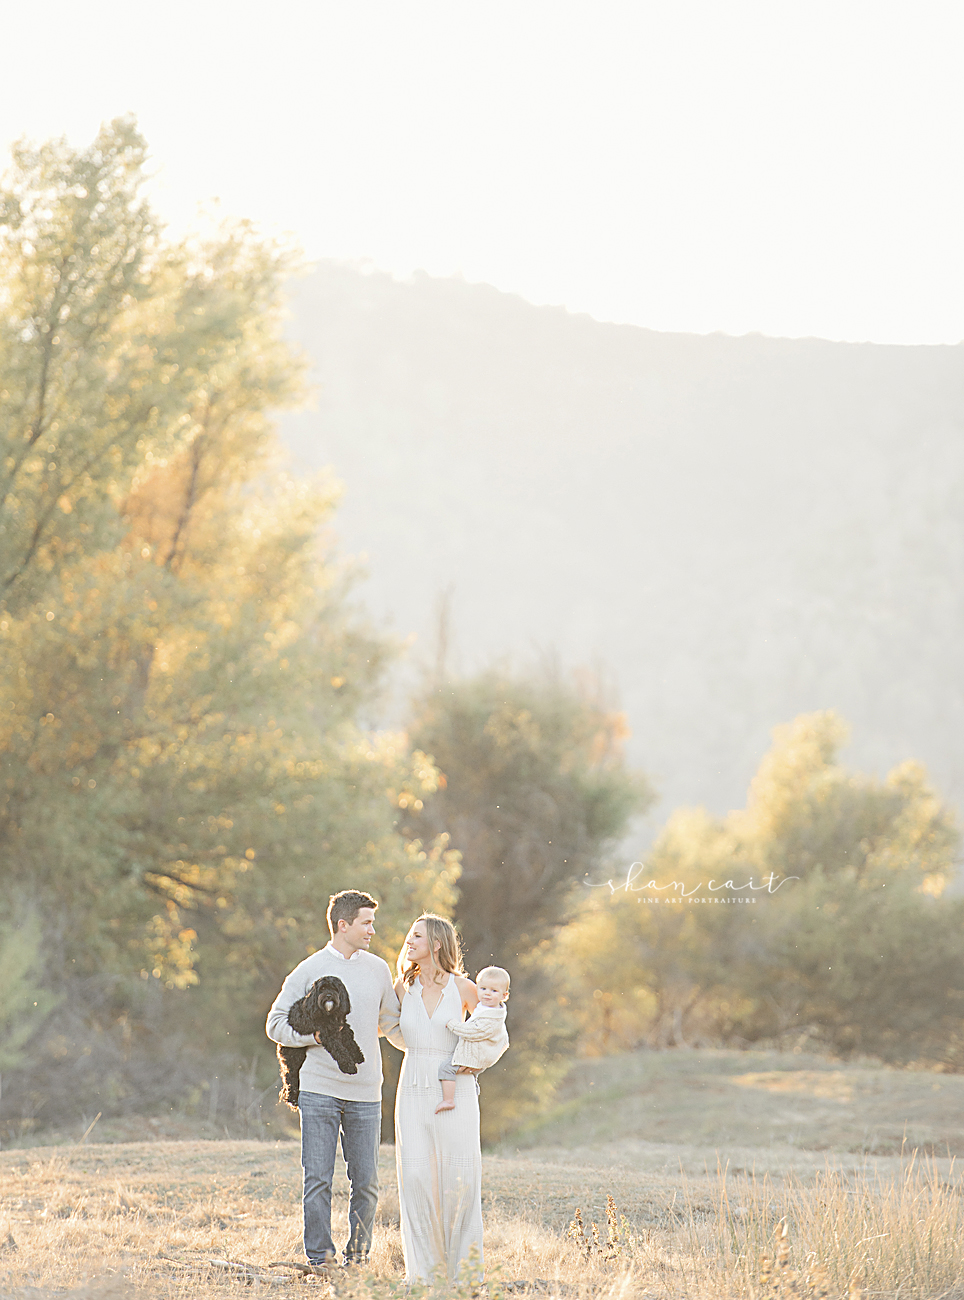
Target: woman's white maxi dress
x,y
438,1157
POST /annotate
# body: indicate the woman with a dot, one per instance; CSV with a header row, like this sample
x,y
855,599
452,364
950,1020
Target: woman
x,y
438,1156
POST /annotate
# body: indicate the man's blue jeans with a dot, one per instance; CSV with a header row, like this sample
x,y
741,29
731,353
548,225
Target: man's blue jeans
x,y
359,1122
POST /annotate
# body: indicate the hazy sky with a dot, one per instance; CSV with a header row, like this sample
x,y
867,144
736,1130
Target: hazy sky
x,y
792,168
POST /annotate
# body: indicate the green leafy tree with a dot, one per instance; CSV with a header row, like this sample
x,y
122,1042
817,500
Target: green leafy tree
x,y
534,793
852,946
24,1002
183,777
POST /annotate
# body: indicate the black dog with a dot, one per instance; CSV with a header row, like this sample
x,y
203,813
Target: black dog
x,y
322,1011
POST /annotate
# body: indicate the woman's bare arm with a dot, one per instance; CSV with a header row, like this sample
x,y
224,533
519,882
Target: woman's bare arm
x,y
470,1000
468,993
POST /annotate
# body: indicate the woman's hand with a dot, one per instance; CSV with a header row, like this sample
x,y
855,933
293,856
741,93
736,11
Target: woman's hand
x,y
468,1069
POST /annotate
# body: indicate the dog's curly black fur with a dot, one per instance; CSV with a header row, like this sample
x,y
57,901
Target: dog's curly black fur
x,y
322,1011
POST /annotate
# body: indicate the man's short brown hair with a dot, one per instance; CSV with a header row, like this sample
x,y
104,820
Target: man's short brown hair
x,y
346,906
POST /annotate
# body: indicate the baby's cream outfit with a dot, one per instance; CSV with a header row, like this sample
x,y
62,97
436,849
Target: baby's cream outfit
x,y
483,1037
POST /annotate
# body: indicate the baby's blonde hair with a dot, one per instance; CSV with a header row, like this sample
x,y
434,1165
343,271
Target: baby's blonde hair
x,y
497,973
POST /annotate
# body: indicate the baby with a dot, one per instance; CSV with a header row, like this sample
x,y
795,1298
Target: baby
x,y
483,1036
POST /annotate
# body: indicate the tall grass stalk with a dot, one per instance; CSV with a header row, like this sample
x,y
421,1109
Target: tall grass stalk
x,y
900,1235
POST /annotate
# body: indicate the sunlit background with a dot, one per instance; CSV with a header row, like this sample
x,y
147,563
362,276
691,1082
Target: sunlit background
x,y
791,169
622,522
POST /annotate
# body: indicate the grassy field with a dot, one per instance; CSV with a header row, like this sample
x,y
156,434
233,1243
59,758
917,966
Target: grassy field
x,y
695,1217
757,1099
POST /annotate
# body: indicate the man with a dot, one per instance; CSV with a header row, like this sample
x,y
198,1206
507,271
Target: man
x,y
332,1102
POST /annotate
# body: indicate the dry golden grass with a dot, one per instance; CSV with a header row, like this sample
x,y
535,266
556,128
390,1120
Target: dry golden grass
x,y
874,1233
182,1220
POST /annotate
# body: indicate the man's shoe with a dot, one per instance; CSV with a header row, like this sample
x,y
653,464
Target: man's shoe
x,y
324,1269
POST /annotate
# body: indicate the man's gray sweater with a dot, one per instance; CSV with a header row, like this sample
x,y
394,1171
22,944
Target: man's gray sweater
x,y
374,1010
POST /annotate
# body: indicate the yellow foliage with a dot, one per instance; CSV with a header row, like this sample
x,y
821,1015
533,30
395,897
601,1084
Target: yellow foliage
x,y
184,780
839,871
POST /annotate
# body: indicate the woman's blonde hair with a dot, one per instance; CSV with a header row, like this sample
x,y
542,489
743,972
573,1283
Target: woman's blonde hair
x,y
449,956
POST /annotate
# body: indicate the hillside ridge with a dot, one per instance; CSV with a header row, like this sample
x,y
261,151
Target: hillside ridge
x,y
734,530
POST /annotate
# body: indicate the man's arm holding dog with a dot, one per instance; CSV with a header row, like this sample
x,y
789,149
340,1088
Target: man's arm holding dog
x,y
277,1027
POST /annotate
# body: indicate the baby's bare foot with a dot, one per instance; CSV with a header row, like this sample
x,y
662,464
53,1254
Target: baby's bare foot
x,y
445,1105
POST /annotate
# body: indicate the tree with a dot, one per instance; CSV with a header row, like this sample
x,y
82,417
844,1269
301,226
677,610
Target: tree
x,y
184,780
24,1003
533,792
852,945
